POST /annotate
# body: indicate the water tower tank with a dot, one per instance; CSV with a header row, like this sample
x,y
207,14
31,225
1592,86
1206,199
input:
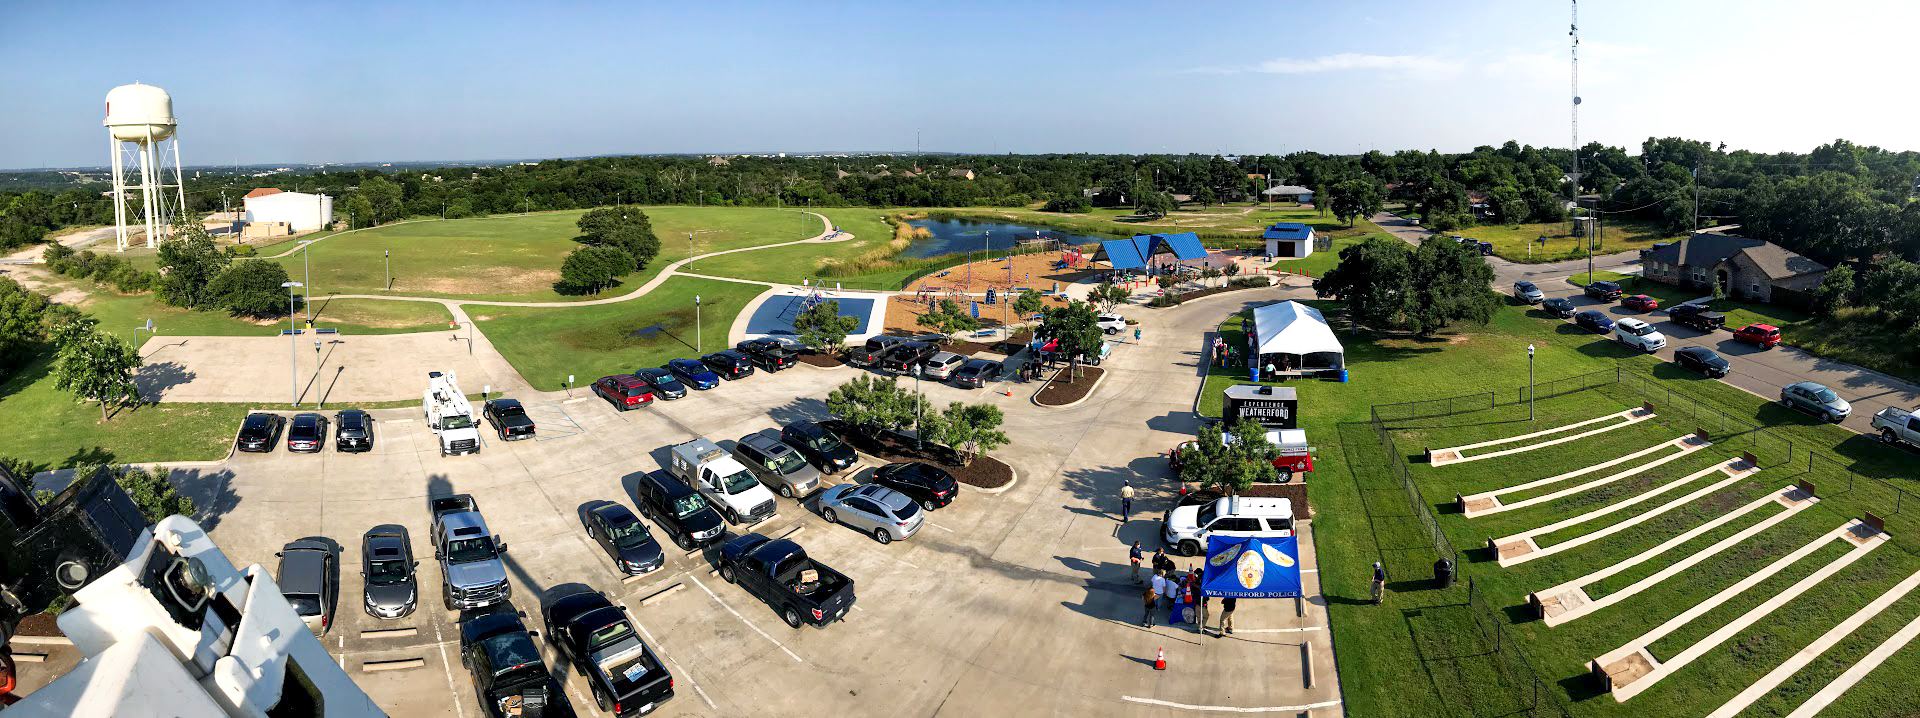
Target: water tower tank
x,y
134,111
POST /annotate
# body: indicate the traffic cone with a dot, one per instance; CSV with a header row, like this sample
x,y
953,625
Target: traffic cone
x,y
1160,659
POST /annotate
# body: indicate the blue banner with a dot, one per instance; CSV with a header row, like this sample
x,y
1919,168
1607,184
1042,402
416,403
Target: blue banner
x,y
1248,567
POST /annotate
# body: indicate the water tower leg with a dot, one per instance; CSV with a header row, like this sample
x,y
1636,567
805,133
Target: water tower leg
x,y
147,195
179,182
119,193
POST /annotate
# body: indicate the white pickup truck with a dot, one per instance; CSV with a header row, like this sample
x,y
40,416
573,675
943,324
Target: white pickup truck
x,y
726,482
1898,426
450,415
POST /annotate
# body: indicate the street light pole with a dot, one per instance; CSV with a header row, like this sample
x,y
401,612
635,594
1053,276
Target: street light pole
x,y
1529,382
696,323
917,441
293,344
306,267
389,284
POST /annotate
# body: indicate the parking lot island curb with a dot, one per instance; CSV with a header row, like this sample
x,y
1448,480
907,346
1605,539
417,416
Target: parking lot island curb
x,y
660,594
398,664
407,632
1035,397
995,490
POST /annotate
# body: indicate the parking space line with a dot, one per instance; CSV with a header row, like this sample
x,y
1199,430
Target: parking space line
x,y
440,644
938,526
743,619
662,650
1233,709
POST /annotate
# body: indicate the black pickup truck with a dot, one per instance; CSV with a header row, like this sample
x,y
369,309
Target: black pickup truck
x,y
509,419
596,637
778,571
1697,317
508,675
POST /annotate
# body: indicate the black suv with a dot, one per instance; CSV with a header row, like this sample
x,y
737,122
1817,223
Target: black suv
x,y
353,431
678,510
1603,291
768,354
260,432
907,354
729,364
1561,307
930,485
821,447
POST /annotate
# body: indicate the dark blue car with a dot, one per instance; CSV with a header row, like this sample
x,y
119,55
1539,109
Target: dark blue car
x,y
694,373
1594,321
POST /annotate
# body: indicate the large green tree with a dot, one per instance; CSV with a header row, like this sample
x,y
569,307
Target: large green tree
x,y
822,328
384,199
1356,198
626,228
1451,283
252,288
22,330
1076,326
968,429
189,262
94,365
1375,280
872,404
588,270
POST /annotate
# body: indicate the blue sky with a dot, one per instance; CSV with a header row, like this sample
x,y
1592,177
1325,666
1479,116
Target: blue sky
x,y
265,82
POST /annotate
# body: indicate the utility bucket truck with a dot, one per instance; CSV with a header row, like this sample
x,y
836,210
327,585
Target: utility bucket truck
x,y
449,415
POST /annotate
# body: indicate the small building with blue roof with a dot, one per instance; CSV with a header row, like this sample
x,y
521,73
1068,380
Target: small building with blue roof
x,y
1291,240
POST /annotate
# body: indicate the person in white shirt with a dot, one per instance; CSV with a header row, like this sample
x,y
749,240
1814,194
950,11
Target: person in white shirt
x,y
1162,588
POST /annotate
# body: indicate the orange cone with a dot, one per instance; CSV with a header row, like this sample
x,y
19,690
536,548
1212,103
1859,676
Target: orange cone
x,y
1160,659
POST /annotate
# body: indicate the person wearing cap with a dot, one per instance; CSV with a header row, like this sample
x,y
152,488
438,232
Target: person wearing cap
x,y
1379,582
1126,500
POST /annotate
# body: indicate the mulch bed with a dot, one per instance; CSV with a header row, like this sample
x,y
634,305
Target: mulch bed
x,y
985,472
39,624
1210,291
827,361
1061,392
1296,491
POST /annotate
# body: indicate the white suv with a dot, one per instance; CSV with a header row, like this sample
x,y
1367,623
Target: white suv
x,y
1639,334
1186,528
1112,323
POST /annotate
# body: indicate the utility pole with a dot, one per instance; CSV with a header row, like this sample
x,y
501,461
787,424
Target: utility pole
x,y
1573,30
1696,196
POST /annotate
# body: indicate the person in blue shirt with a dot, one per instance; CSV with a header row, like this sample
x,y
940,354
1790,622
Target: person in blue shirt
x,y
1133,555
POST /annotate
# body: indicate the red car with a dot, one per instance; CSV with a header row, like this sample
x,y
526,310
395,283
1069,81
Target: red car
x,y
624,391
1765,336
1641,302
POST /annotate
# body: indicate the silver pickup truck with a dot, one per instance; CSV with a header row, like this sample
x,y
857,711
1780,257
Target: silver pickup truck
x,y
1898,426
472,572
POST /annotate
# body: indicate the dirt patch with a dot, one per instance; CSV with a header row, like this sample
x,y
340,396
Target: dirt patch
x,y
491,280
1063,390
1033,271
39,624
985,472
825,361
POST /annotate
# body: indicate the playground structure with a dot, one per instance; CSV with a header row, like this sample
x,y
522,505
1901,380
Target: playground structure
x,y
814,296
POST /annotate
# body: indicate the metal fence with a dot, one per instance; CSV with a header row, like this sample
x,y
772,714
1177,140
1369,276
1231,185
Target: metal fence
x,y
1771,448
1532,695
1442,546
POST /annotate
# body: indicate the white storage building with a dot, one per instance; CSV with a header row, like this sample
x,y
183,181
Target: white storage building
x,y
300,211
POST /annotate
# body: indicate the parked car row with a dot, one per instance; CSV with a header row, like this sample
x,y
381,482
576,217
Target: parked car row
x,y
306,433
899,355
672,380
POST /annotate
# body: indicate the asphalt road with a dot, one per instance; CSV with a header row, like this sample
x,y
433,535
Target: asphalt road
x,y
1760,372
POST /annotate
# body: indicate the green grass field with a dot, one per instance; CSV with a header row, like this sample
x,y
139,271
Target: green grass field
x,y
517,257
867,261
1520,242
547,344
47,429
120,314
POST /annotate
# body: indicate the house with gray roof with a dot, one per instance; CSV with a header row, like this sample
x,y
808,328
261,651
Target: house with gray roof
x,y
1742,267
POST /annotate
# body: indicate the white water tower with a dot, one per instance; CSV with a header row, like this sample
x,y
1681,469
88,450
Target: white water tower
x,y
142,133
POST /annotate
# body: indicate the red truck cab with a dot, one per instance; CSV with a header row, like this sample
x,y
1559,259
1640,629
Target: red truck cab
x,y
1765,336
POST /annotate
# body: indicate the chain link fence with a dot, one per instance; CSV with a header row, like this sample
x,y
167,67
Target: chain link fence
x,y
1528,693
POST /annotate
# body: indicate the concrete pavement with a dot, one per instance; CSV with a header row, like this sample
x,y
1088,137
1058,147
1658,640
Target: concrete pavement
x,y
1010,603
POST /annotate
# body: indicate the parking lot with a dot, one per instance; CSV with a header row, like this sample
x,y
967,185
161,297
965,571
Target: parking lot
x,y
1016,601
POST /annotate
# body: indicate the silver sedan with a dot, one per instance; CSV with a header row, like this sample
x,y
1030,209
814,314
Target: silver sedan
x,y
887,514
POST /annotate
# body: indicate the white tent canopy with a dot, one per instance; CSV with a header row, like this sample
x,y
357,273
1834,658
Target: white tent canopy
x,y
1292,328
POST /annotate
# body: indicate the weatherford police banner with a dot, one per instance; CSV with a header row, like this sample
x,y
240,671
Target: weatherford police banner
x,y
1248,567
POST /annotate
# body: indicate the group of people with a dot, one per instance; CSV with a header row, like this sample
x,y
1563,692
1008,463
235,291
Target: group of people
x,y
1170,587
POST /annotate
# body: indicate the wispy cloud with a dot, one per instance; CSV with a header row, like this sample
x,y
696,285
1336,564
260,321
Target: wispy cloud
x,y
1344,62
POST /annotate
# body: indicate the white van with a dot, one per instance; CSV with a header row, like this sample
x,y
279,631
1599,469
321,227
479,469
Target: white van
x,y
1639,334
1185,528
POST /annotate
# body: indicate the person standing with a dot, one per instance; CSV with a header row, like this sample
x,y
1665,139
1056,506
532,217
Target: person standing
x,y
1126,500
1159,592
1379,582
1198,601
1133,555
1226,615
1151,599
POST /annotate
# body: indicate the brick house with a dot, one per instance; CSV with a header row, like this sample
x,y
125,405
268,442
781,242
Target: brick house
x,y
1744,268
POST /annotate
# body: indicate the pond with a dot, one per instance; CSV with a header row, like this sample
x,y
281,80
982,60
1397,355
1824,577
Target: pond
x,y
952,236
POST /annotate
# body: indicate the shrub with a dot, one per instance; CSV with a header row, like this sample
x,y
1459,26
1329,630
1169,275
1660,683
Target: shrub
x,y
251,287
1075,204
245,250
1165,300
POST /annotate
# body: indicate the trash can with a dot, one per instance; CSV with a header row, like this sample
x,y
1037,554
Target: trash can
x,y
1443,573
1343,376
